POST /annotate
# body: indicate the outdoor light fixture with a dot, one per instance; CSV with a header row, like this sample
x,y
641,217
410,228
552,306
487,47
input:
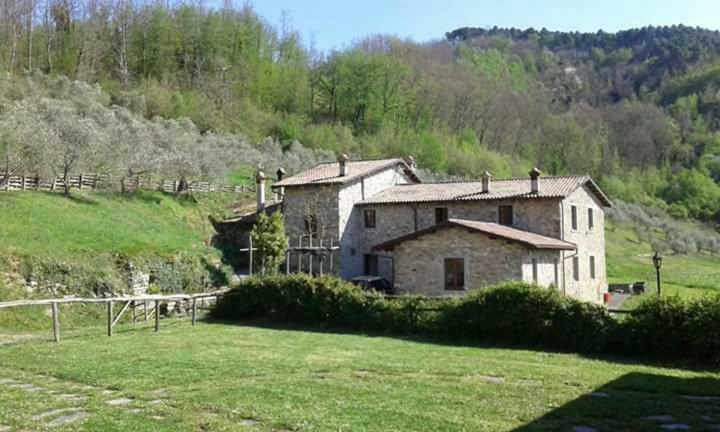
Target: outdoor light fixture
x,y
657,262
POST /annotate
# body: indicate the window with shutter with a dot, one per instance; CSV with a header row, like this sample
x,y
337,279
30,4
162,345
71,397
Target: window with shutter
x,y
454,274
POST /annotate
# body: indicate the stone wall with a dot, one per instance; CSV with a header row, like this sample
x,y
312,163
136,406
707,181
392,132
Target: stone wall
x,y
339,219
351,221
420,263
590,242
541,216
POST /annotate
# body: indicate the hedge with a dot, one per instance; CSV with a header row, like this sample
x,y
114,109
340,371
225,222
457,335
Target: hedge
x,y
513,313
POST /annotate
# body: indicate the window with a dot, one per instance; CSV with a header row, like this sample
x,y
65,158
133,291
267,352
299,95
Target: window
x,y
573,210
535,270
454,274
592,267
591,222
311,225
576,268
369,218
441,214
505,215
370,264
556,279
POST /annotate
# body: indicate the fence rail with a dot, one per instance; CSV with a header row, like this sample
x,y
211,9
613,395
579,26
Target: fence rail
x,y
27,182
129,303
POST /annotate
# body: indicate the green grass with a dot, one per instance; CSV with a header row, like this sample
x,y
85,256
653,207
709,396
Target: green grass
x,y
90,223
629,259
215,376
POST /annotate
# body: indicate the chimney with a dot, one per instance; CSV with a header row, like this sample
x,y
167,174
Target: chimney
x,y
342,160
534,176
411,162
260,189
486,182
281,190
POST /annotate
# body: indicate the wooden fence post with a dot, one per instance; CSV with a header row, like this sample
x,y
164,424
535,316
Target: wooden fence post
x,y
110,317
250,266
287,257
310,256
23,181
56,322
82,177
300,254
134,314
157,315
194,311
321,257
145,311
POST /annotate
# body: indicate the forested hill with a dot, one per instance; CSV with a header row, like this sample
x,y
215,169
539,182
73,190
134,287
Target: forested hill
x,y
639,110
650,54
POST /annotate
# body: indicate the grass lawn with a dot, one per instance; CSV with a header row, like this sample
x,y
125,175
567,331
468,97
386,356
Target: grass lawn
x,y
629,259
91,223
218,377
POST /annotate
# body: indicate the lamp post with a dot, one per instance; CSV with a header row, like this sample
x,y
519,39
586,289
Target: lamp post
x,y
657,262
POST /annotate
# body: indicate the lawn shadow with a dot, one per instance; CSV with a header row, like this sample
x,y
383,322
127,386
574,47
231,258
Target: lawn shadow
x,y
638,402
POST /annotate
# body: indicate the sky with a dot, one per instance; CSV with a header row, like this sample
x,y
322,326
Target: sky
x,y
336,23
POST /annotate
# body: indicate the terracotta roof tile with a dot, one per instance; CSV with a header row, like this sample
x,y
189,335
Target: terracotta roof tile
x,y
549,187
527,239
329,172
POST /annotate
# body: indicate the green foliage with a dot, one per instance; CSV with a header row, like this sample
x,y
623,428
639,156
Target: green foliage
x,y
696,192
673,327
58,277
513,313
518,313
270,240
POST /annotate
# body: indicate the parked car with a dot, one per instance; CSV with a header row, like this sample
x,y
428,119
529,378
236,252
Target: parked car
x,y
375,283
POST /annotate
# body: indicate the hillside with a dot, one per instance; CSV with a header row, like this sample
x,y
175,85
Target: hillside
x,y
87,243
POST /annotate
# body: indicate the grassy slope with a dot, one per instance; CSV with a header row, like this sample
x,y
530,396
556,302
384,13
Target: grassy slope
x,y
93,223
630,259
215,376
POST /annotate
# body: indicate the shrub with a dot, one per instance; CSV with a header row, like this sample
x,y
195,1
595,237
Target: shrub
x,y
518,313
514,313
670,327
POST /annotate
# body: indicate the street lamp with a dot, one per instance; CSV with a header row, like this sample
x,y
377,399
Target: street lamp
x,y
657,262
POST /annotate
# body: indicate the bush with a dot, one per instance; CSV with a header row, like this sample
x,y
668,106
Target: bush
x,y
514,313
669,327
518,313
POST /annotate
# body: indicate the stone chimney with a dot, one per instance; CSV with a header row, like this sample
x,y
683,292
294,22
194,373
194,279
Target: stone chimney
x,y
260,189
486,182
343,160
280,193
534,176
411,163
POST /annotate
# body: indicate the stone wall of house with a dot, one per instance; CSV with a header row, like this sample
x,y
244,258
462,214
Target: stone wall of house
x,y
420,263
541,216
334,207
589,241
351,218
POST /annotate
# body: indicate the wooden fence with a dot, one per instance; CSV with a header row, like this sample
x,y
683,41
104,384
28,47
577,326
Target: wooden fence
x,y
129,303
321,250
103,181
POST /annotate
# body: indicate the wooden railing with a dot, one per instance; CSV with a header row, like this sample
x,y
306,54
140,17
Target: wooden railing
x,y
128,303
98,181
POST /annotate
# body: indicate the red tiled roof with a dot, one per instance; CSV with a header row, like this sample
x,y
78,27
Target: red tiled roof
x,y
527,239
548,187
329,172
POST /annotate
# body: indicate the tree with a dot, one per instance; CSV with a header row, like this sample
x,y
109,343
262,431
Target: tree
x,y
270,242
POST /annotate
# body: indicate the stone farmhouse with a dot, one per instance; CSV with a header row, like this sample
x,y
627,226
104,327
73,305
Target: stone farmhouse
x,y
447,238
